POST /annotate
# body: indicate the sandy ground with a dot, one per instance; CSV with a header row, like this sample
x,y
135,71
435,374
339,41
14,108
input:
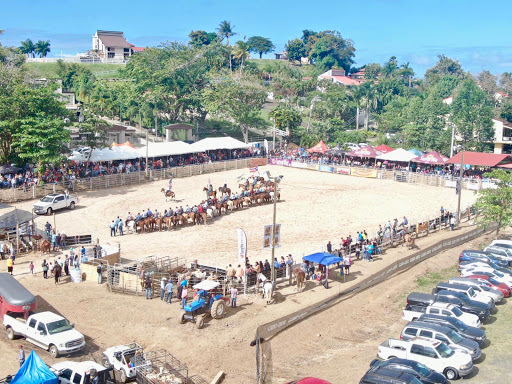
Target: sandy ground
x,y
316,207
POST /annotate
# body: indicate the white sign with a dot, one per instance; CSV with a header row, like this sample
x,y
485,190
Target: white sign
x,y
242,246
267,237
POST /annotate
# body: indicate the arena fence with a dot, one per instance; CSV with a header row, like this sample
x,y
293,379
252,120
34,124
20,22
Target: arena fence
x,y
9,195
267,331
398,176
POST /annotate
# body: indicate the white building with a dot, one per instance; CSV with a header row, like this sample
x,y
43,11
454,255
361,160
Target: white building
x,y
111,45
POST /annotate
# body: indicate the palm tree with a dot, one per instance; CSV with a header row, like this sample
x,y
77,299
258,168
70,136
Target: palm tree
x,y
27,47
241,52
42,47
225,30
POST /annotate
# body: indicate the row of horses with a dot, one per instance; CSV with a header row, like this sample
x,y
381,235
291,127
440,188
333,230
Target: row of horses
x,y
150,224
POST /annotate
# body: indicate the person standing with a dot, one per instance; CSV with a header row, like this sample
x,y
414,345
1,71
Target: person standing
x,y
48,228
63,241
147,285
347,262
234,294
45,269
163,283
2,253
99,269
452,222
120,227
57,242
57,271
184,297
54,238
179,291
329,247
112,229
31,267
66,265
10,265
21,356
168,290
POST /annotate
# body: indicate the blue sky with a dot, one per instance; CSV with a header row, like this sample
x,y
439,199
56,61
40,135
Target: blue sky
x,y
475,33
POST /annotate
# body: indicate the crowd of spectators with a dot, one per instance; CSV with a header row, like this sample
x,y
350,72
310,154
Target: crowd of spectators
x,y
73,170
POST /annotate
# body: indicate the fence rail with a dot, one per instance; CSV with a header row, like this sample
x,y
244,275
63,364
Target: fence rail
x,y
10,195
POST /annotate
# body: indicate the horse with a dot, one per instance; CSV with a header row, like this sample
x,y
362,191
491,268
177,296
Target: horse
x,y
409,241
167,194
268,290
182,220
158,223
191,215
226,190
130,226
202,218
169,221
300,276
210,193
140,225
46,246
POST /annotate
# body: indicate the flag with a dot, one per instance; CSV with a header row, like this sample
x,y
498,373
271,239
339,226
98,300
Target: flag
x,y
242,246
253,169
241,178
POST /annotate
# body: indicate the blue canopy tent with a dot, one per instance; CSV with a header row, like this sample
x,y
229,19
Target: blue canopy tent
x,y
323,258
416,152
34,371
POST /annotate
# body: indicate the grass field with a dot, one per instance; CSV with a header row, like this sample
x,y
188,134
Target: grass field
x,y
49,70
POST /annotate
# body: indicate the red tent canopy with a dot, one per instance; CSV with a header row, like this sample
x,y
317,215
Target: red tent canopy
x,y
384,148
481,159
367,151
431,158
319,148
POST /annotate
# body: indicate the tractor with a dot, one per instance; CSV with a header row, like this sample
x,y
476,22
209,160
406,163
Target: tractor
x,y
206,302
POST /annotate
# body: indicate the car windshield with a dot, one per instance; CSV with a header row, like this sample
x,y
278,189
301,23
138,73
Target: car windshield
x,y
457,312
455,337
484,288
58,326
498,273
494,281
444,350
47,199
421,369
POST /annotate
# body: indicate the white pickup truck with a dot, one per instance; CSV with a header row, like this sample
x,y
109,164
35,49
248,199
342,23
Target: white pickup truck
x,y
83,372
53,202
124,359
434,354
46,330
413,312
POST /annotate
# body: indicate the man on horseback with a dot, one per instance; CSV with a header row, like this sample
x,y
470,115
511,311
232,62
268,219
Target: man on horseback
x,y
170,185
224,186
194,209
129,217
187,209
179,211
138,218
149,213
156,215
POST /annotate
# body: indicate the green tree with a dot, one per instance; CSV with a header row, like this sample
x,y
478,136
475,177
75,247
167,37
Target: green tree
x,y
445,66
93,132
27,47
495,205
295,50
200,38
488,83
328,49
237,99
42,48
472,115
506,111
225,31
241,53
372,71
506,82
260,45
286,118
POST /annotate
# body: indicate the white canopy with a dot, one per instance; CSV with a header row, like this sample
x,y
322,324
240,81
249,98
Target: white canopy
x,y
165,149
399,154
107,154
206,285
214,143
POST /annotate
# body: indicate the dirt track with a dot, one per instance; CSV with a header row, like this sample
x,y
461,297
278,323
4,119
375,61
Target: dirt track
x,y
316,207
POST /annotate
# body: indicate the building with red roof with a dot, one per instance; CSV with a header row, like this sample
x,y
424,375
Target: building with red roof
x,y
338,76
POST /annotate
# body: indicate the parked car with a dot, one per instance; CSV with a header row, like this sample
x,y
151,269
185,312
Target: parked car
x,y
53,202
351,146
483,288
458,326
468,255
466,304
422,372
438,332
124,359
466,290
499,251
309,380
483,278
383,375
414,312
501,244
46,330
433,353
484,264
501,277
73,372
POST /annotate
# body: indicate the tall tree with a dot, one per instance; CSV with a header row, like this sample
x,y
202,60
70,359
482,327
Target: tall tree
x,y
42,48
506,82
472,115
225,30
201,38
328,49
27,47
260,45
241,53
488,83
295,50
237,99
445,66
496,204
286,118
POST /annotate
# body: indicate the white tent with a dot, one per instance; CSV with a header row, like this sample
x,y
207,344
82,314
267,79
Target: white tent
x,y
107,154
165,149
399,154
214,143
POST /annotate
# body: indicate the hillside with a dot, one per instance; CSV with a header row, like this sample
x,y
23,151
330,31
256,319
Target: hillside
x,y
100,71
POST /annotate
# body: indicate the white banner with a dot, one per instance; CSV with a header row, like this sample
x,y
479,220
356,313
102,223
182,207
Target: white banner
x,y
242,246
267,236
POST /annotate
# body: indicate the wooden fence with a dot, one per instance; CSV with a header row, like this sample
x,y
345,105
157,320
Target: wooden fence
x,y
10,195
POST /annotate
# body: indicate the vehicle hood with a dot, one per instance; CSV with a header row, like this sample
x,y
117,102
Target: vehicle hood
x,y
436,378
459,358
473,332
469,344
64,337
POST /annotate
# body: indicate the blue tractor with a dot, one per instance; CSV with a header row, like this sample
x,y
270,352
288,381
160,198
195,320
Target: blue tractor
x,y
206,302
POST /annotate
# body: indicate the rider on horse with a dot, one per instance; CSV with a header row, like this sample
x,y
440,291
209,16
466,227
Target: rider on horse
x,y
156,215
129,217
187,209
138,217
170,185
194,209
149,213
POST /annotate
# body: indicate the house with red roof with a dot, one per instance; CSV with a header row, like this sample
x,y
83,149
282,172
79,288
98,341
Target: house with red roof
x,y
113,46
338,76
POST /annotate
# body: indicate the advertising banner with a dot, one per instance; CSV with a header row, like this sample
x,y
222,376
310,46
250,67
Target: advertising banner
x,y
283,162
364,172
343,170
256,162
267,237
298,164
242,246
326,168
313,166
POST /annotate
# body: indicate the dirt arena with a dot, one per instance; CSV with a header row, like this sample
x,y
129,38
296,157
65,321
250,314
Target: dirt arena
x,y
315,208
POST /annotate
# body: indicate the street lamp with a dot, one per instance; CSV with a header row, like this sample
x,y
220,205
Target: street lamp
x,y
276,180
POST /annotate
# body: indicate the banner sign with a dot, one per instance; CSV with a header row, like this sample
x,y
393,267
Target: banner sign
x,y
343,170
242,246
364,172
267,237
298,164
257,162
313,166
283,162
326,168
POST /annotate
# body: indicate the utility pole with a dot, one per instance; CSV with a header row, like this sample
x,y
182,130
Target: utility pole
x,y
272,267
461,174
453,140
147,153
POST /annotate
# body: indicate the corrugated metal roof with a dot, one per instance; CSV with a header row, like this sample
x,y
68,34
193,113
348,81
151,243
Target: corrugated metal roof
x,y
481,159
